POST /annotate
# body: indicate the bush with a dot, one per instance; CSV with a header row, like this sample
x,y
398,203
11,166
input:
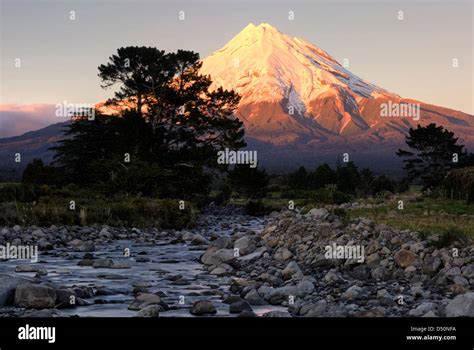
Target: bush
x,y
382,184
120,211
403,185
342,213
446,238
225,192
459,184
19,193
339,197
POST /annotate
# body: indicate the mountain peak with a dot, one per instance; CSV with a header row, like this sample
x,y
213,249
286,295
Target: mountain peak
x,y
260,27
252,34
264,64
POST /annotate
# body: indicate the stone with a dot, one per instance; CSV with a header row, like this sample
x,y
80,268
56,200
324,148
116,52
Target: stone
x,y
148,298
8,285
85,262
221,243
318,309
219,271
462,281
239,306
254,298
385,298
353,292
304,288
282,254
65,298
102,263
120,266
34,296
104,233
405,258
198,240
203,307
232,299
332,277
253,256
244,245
278,295
462,305
215,258
44,244
26,268
431,265
318,213
468,271
381,273
290,270
422,309
149,311
373,260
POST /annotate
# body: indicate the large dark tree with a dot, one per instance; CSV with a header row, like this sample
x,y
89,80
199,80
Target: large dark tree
x,y
170,122
139,71
38,173
431,154
348,178
322,176
298,180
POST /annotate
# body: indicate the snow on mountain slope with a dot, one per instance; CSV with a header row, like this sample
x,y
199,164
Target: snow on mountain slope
x,y
294,92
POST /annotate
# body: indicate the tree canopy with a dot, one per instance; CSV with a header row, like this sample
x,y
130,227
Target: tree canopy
x,y
433,152
168,130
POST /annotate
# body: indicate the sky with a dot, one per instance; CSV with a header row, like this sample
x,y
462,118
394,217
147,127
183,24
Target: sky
x,y
411,57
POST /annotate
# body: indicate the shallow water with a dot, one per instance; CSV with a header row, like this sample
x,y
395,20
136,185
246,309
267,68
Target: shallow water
x,y
167,261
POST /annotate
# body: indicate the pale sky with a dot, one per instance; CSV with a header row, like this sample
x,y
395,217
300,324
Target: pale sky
x,y
412,57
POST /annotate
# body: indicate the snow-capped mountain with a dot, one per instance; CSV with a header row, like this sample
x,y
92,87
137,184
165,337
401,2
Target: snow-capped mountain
x,y
296,95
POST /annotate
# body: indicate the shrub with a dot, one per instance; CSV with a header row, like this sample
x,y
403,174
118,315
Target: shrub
x,y
225,192
121,211
446,238
459,184
19,193
382,184
339,197
342,213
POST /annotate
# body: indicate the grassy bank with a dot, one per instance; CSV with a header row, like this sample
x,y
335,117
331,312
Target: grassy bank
x,y
451,219
46,206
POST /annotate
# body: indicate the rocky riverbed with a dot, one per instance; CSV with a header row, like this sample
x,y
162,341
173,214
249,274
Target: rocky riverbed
x,y
233,264
109,271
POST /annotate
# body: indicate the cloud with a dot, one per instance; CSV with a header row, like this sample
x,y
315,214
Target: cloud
x,y
17,119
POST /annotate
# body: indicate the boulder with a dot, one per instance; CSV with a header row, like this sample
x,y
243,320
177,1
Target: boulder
x,y
282,254
245,245
304,288
239,306
405,258
422,309
203,307
290,270
34,296
318,213
254,298
149,311
462,305
8,285
102,263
